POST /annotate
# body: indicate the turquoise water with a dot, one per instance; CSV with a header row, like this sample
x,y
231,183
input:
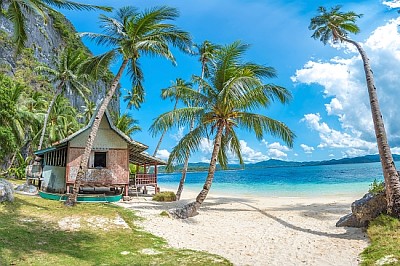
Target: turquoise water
x,y
326,180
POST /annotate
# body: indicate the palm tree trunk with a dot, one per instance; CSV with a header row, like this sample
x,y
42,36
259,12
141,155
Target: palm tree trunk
x,y
186,163
71,201
392,183
46,117
190,210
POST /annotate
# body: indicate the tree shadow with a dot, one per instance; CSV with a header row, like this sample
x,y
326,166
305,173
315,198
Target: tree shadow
x,y
347,235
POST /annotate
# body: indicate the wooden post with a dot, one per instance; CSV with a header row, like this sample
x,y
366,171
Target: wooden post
x,y
155,174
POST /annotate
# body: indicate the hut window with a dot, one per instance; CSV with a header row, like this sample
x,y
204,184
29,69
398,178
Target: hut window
x,y
100,159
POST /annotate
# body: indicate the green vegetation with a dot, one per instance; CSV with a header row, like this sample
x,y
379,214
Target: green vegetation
x,y
34,231
384,234
376,187
165,196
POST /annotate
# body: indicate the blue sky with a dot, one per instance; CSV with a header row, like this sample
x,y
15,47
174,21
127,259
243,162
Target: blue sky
x,y
330,110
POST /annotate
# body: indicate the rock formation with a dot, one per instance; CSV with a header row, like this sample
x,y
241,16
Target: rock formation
x,y
364,210
6,191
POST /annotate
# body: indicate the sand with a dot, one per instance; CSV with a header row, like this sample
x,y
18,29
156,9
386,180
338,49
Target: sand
x,y
260,230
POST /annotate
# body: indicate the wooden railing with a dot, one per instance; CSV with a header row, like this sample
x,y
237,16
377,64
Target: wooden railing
x,y
144,179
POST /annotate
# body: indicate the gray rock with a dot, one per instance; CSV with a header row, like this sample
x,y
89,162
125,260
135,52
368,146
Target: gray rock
x,y
188,210
348,220
364,210
27,188
6,191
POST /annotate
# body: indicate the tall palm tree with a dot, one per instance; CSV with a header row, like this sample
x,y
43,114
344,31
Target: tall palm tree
x,y
126,123
68,75
335,25
206,52
233,90
174,92
18,9
131,34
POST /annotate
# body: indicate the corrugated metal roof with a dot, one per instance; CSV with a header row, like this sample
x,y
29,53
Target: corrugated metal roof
x,y
144,158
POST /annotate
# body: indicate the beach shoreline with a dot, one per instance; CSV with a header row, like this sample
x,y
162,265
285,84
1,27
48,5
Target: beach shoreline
x,y
254,230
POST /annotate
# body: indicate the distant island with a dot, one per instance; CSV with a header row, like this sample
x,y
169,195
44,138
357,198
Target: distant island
x,y
197,167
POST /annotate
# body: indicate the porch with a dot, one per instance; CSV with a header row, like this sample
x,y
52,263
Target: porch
x,y
146,172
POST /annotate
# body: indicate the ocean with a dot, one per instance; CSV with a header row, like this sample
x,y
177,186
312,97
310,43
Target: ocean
x,y
307,181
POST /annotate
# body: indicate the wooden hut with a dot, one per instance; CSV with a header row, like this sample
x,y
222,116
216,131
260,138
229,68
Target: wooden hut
x,y
108,164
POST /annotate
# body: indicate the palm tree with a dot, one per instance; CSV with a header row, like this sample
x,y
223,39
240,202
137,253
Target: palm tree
x,y
207,52
62,120
233,90
17,9
68,74
88,110
131,34
335,25
126,123
174,92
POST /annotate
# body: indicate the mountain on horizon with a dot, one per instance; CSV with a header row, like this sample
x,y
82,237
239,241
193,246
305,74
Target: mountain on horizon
x,y
200,166
279,163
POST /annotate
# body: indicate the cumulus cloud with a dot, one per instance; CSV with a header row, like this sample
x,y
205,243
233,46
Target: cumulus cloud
x,y
344,84
250,155
306,148
330,138
392,4
276,150
163,154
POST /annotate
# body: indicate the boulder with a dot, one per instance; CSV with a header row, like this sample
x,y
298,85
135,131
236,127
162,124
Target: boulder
x,y
188,210
27,188
364,210
6,191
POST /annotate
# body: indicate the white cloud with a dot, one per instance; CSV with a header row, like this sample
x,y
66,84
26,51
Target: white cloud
x,y
331,138
163,154
306,148
250,155
343,80
206,146
392,4
275,150
331,155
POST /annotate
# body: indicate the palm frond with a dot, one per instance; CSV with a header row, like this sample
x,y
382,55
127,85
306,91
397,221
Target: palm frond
x,y
261,125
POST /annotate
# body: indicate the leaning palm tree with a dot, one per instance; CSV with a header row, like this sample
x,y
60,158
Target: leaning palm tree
x,y
335,25
18,9
68,75
131,34
226,102
206,52
174,92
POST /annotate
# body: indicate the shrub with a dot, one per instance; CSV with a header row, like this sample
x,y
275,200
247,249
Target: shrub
x,y
165,196
376,187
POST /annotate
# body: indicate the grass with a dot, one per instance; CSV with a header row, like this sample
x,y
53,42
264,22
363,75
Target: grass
x,y
165,196
35,231
384,234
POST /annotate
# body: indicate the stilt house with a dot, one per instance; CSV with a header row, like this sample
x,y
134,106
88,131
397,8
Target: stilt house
x,y
108,164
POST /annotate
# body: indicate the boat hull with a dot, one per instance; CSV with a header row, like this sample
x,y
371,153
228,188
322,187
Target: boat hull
x,y
82,198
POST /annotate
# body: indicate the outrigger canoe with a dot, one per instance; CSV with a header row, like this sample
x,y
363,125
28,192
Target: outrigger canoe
x,y
82,198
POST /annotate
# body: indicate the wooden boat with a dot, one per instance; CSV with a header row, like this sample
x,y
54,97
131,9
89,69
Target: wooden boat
x,y
82,198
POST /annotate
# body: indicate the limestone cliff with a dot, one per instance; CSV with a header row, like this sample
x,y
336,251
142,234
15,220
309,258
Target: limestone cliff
x,y
46,40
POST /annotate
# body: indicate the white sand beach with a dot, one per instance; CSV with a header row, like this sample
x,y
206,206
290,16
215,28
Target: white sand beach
x,y
260,230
